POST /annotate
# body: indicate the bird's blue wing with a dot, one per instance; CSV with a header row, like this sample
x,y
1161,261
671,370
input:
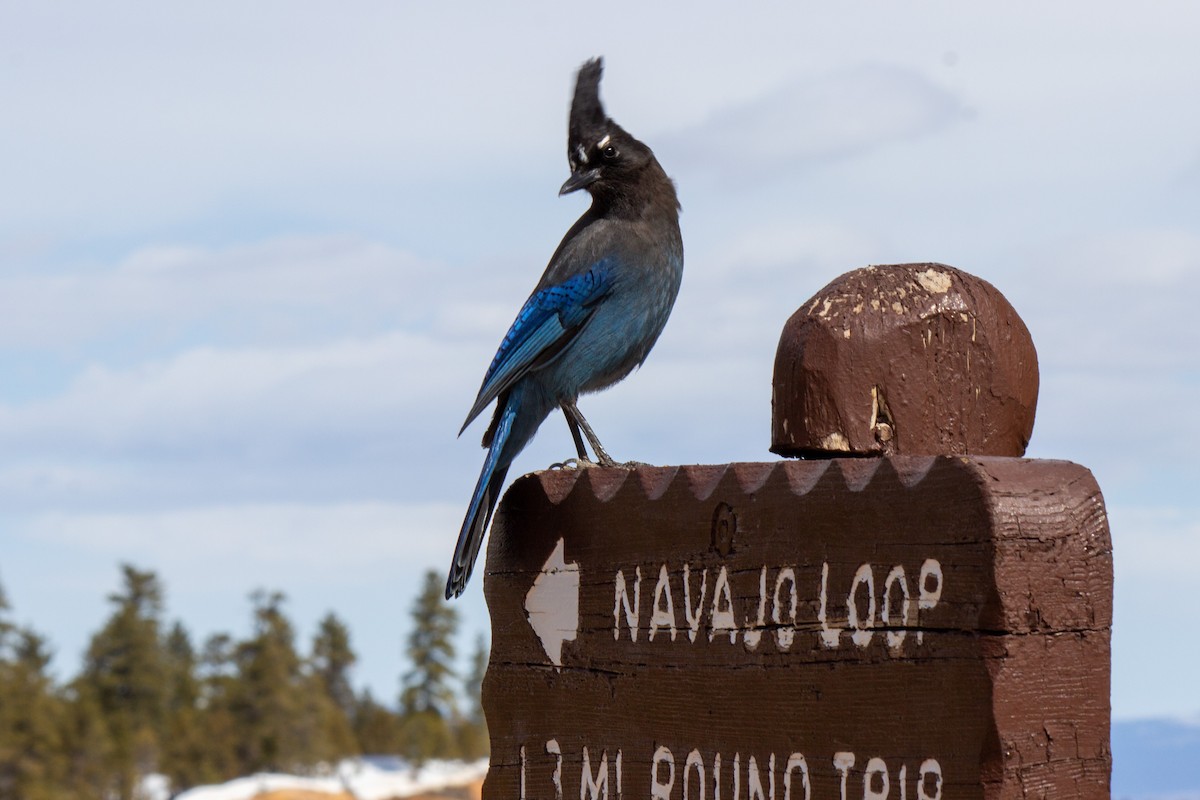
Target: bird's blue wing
x,y
545,325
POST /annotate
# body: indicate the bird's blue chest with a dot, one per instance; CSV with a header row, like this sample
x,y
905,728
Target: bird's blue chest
x,y
624,326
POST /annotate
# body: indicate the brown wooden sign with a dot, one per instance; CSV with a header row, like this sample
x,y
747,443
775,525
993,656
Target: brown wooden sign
x,y
907,628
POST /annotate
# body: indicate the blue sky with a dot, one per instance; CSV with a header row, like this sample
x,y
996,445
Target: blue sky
x,y
254,259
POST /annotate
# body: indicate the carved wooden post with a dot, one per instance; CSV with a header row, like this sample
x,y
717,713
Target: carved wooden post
x,y
929,622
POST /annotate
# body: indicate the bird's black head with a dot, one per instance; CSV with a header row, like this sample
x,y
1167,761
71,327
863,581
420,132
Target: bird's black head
x,y
602,155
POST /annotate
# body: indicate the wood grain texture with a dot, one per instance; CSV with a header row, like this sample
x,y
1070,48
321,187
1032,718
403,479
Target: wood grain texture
x,y
990,665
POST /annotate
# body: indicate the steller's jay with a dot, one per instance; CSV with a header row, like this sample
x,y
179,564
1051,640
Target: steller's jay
x,y
594,315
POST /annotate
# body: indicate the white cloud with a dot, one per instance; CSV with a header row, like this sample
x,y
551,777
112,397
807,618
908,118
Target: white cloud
x,y
209,398
33,477
1112,301
815,118
1120,265
738,293
315,543
300,287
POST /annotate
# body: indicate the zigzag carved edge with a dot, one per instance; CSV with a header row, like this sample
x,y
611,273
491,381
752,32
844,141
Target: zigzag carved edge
x,y
701,480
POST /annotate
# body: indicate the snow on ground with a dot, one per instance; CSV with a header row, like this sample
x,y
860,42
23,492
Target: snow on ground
x,y
154,787
371,778
367,778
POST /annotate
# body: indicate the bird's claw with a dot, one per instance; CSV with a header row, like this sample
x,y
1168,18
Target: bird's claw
x,y
574,463
587,463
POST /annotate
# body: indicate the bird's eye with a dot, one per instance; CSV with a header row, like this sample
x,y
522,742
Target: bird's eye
x,y
609,153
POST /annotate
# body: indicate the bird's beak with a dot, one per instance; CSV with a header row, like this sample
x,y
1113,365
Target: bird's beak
x,y
579,179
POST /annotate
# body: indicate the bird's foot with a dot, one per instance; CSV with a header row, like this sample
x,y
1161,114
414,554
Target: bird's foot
x,y
574,463
587,463
608,461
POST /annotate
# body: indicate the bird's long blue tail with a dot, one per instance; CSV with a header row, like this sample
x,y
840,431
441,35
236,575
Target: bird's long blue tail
x,y
483,502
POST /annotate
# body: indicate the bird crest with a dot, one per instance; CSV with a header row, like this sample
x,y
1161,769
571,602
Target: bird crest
x,y
588,123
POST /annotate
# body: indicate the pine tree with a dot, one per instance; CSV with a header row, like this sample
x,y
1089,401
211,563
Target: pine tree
x,y
330,662
125,670
38,757
183,740
326,735
219,730
267,705
87,741
31,759
428,698
332,658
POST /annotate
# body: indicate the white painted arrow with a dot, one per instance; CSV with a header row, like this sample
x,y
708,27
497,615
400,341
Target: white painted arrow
x,y
552,604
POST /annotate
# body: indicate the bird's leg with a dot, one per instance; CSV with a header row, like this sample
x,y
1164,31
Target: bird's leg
x,y
583,460
569,411
577,423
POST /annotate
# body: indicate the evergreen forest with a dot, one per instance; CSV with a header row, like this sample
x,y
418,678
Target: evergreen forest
x,y
148,699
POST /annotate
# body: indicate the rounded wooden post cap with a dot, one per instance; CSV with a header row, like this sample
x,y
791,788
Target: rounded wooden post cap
x,y
920,359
